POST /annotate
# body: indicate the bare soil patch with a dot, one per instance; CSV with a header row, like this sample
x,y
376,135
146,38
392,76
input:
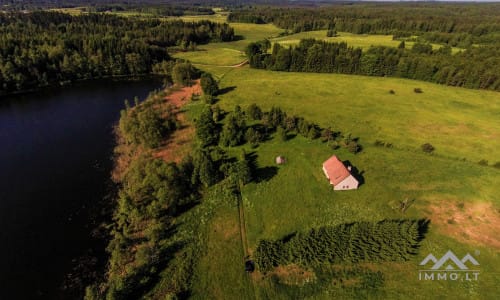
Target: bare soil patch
x,y
179,143
227,229
293,275
473,223
181,96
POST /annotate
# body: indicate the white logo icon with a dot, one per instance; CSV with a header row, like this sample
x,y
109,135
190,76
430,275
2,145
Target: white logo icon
x,y
449,256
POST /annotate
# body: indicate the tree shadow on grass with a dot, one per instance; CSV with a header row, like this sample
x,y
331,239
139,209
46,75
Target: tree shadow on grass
x,y
226,90
238,37
423,228
260,174
146,279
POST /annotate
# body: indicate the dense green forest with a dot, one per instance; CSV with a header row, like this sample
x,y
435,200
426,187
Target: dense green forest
x,y
474,28
455,24
420,62
44,48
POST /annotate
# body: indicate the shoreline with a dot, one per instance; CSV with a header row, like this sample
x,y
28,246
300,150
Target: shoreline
x,y
54,86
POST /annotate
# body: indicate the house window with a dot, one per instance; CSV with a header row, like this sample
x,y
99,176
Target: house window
x,y
347,186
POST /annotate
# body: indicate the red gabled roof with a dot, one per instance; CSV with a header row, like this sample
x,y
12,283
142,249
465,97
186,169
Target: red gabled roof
x,y
336,170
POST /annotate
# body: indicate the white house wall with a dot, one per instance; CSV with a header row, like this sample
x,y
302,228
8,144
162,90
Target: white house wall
x,y
350,183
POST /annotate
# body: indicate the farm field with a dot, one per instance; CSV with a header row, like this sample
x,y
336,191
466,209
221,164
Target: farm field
x,y
298,197
460,123
363,41
449,187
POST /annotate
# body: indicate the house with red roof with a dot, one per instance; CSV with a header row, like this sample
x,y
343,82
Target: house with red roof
x,y
338,175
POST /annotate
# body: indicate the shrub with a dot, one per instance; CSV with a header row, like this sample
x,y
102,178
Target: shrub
x,y
353,147
183,73
313,133
496,165
254,112
418,90
209,85
281,134
483,162
392,92
253,136
427,148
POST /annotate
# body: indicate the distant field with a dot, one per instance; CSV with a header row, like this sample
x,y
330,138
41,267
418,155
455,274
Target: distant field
x,y
363,41
213,54
210,56
460,123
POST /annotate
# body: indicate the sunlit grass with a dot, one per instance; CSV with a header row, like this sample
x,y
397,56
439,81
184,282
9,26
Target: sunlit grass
x,y
363,41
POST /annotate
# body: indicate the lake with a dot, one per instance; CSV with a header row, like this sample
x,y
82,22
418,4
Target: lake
x,y
55,161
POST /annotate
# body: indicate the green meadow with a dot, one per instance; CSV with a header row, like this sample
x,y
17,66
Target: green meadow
x,y
364,41
461,124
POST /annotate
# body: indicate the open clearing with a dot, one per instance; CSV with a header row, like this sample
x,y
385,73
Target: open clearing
x,y
462,124
179,144
473,223
363,41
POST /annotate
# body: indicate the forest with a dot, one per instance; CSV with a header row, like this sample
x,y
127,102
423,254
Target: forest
x,y
455,24
45,48
420,62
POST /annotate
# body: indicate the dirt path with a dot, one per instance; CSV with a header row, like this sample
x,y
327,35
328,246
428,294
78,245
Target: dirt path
x,y
243,227
244,239
179,143
231,66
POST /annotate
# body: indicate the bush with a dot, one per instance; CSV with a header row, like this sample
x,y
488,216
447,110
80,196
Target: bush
x,y
496,165
483,162
392,92
208,99
253,137
145,125
427,148
254,112
353,147
281,134
183,73
418,90
209,85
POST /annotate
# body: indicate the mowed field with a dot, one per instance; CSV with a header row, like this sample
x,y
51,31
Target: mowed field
x,y
458,197
448,187
364,41
460,123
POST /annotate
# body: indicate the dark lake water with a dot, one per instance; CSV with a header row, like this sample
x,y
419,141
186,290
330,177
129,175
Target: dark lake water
x,y
55,163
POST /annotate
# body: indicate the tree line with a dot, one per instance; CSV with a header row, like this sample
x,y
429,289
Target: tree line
x,y
45,48
144,244
235,131
420,62
387,240
466,24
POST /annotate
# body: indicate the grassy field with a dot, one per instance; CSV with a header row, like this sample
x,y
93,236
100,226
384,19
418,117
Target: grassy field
x,y
363,41
215,57
460,123
213,54
298,197
449,187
